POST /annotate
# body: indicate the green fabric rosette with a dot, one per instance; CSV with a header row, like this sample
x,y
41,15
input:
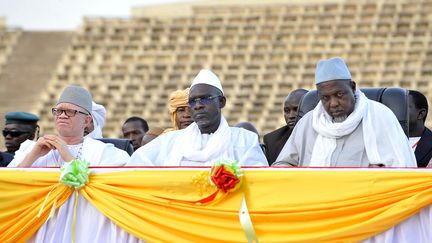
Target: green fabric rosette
x,y
75,173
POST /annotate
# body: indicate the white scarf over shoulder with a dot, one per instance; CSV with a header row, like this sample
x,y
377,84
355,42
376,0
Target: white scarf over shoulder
x,y
382,134
193,147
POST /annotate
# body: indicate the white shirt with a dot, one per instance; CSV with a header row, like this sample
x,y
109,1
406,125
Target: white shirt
x,y
91,225
94,151
188,147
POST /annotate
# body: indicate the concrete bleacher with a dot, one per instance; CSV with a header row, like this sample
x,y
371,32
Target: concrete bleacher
x,y
260,52
8,40
31,59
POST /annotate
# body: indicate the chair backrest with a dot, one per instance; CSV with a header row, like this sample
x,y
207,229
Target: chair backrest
x,y
394,98
124,144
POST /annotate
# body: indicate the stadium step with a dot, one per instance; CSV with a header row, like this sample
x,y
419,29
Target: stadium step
x,y
28,70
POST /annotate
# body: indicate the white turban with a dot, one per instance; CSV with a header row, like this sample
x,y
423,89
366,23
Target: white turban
x,y
98,114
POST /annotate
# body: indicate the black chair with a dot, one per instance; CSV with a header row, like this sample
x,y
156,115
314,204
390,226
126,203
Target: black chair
x,y
394,98
124,144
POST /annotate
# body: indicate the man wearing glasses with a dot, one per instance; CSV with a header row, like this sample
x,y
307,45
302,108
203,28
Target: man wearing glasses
x,y
19,126
208,139
71,115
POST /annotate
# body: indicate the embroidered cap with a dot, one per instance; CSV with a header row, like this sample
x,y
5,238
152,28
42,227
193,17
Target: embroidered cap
x,y
331,69
206,76
77,95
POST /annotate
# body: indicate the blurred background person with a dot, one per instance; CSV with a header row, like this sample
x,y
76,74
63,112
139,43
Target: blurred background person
x,y
179,110
420,136
19,126
275,140
134,129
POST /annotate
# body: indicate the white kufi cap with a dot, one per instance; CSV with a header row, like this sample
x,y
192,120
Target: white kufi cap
x,y
331,69
206,76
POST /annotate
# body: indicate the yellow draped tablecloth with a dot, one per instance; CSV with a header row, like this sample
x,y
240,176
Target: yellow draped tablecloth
x,y
285,205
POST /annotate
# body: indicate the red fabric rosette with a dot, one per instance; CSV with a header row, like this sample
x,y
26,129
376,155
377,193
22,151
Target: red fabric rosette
x,y
224,178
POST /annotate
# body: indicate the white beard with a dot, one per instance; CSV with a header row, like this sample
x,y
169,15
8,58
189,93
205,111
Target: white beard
x,y
339,119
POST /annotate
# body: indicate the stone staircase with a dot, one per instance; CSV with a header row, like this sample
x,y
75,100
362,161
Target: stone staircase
x,y
28,70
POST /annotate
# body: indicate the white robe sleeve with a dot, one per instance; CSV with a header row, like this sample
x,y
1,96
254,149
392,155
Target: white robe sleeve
x,y
392,143
289,155
20,154
252,153
292,152
100,153
148,154
255,157
113,156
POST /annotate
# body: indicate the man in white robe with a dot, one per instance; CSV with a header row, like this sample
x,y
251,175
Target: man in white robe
x,y
72,115
345,129
92,130
207,139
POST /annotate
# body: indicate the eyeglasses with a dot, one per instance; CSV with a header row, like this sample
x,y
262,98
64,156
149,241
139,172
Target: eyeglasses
x,y
68,112
202,100
13,134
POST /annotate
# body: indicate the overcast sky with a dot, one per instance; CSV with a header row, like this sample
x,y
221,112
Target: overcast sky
x,y
65,14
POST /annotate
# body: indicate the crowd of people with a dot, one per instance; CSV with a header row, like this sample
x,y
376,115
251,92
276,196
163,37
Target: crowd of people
x,y
345,129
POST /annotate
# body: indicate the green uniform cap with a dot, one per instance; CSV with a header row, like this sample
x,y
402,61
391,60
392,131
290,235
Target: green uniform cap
x,y
21,117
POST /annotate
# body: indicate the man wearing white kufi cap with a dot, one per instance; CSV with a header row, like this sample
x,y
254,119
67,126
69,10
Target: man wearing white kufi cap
x,y
72,114
208,138
345,129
